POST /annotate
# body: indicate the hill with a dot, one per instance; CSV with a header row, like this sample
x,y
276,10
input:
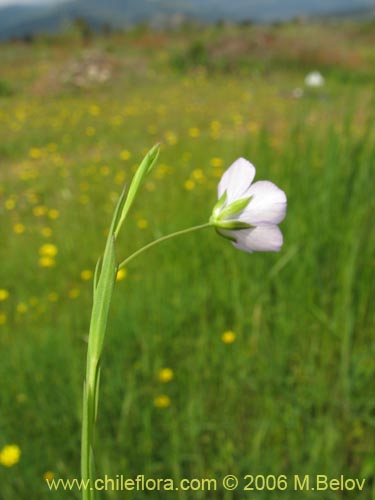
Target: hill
x,y
22,20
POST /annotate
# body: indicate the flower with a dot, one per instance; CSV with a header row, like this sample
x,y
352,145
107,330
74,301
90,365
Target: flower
x,y
314,79
228,337
48,476
48,250
86,274
121,274
10,455
165,375
162,401
246,213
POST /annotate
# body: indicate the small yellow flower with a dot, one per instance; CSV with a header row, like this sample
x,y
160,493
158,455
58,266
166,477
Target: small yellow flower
x,y
3,318
73,293
165,375
53,297
10,455
228,337
162,401
125,154
46,232
53,213
48,475
21,308
171,137
33,301
94,110
48,250
194,132
121,274
39,210
47,261
10,203
142,223
216,162
86,274
189,185
4,294
35,153
18,228
198,174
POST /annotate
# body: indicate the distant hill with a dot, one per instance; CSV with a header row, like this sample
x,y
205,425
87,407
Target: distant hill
x,y
21,20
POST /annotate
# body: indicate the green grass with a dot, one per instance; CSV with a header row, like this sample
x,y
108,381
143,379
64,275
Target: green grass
x,y
293,394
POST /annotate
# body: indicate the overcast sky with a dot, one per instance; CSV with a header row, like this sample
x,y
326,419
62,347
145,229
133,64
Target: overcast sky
x,y
27,2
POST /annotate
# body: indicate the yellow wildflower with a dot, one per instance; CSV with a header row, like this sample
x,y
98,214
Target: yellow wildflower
x,y
121,274
142,223
198,174
3,318
86,274
53,213
94,110
162,401
125,154
73,293
4,294
10,455
228,337
19,228
165,375
216,162
53,297
48,475
194,132
46,232
189,185
47,261
35,153
10,203
48,250
21,308
39,210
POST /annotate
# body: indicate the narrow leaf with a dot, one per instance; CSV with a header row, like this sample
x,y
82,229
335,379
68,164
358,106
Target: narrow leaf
x,y
144,168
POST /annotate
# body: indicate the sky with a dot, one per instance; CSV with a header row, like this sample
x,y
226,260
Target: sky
x,y
3,3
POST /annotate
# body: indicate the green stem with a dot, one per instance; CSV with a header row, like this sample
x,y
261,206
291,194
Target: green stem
x,y
103,287
160,240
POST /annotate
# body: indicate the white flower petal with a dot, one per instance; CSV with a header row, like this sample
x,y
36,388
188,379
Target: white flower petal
x,y
267,204
236,179
264,238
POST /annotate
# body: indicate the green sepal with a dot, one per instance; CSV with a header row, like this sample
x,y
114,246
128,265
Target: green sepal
x,y
226,236
234,208
219,204
232,225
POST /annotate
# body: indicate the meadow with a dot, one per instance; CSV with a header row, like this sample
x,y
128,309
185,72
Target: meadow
x,y
216,361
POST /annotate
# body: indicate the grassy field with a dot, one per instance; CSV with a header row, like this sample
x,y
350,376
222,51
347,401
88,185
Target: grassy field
x,y
290,390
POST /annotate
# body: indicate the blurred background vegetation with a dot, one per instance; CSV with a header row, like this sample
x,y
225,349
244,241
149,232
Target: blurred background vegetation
x,y
216,362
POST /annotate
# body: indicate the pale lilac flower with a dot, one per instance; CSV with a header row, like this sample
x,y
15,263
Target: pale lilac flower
x,y
248,213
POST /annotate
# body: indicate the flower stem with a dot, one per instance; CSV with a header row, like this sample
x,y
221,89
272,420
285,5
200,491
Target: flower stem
x,y
160,240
